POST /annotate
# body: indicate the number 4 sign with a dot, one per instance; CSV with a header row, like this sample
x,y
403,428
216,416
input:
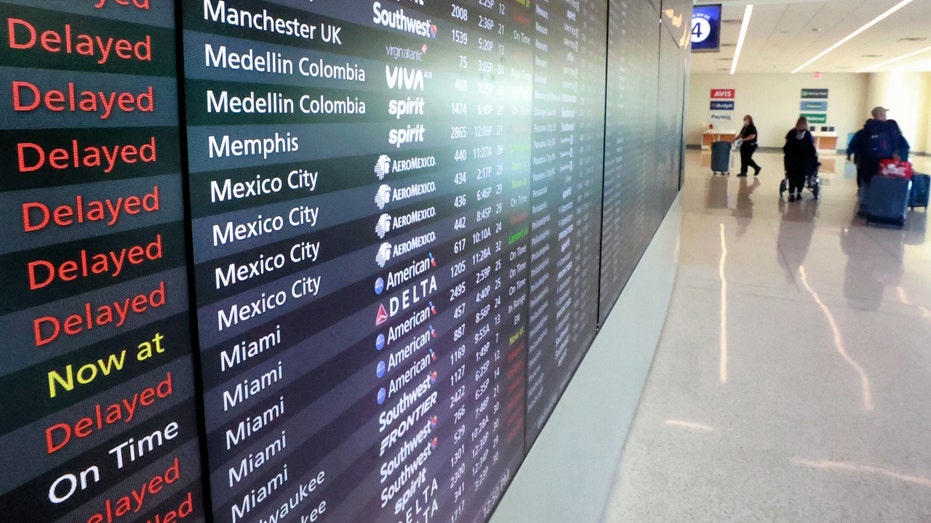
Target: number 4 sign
x,y
706,27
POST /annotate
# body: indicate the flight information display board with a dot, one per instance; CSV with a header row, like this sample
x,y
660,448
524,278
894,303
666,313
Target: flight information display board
x,y
567,155
632,191
99,413
290,260
361,217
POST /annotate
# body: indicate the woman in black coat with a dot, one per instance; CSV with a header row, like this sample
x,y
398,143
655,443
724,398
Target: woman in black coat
x,y
800,157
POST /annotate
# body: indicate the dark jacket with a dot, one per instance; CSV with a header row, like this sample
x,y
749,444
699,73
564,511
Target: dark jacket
x,y
800,154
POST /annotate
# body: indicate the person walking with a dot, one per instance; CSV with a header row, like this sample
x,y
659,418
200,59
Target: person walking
x,y
856,150
800,157
748,143
878,142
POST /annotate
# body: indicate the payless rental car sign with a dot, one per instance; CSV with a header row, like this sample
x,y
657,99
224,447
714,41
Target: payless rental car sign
x,y
722,105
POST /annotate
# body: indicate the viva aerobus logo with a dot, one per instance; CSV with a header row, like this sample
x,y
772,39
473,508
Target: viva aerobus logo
x,y
405,78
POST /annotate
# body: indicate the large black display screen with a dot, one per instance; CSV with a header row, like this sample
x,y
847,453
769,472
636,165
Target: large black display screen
x,y
293,260
631,179
99,405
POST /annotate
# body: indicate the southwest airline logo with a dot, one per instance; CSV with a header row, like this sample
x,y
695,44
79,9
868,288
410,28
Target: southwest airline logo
x,y
402,22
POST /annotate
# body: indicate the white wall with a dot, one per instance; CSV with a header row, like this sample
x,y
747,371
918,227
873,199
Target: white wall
x,y
908,96
773,100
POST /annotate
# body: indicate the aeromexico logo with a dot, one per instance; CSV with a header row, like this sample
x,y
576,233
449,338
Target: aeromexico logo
x,y
397,19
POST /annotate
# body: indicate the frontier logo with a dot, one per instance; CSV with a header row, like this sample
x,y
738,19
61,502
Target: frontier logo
x,y
400,21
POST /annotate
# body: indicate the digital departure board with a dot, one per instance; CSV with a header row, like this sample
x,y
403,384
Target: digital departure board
x,y
99,406
631,177
327,260
567,156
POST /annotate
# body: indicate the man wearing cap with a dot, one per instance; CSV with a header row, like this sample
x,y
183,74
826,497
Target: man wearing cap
x,y
877,142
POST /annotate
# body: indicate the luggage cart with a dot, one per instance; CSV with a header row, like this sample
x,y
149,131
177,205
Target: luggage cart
x,y
721,158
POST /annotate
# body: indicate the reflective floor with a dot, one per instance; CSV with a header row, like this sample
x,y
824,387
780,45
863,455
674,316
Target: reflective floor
x,y
793,378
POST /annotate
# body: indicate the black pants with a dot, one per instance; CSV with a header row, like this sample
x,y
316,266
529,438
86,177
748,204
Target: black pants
x,y
746,157
796,180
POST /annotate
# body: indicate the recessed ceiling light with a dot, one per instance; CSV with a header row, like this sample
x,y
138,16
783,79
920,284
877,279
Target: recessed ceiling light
x,y
913,39
728,45
731,21
871,56
815,29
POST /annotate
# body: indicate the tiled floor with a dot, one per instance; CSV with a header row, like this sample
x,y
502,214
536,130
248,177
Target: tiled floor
x,y
793,378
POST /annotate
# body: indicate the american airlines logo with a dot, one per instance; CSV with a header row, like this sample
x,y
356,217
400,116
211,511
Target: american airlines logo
x,y
383,196
383,255
383,166
403,78
383,226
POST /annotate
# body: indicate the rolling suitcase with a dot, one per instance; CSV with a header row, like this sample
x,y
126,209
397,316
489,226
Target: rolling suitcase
x,y
887,200
921,183
720,157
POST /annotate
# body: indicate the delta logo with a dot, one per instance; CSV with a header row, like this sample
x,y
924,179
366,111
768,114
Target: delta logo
x,y
381,316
